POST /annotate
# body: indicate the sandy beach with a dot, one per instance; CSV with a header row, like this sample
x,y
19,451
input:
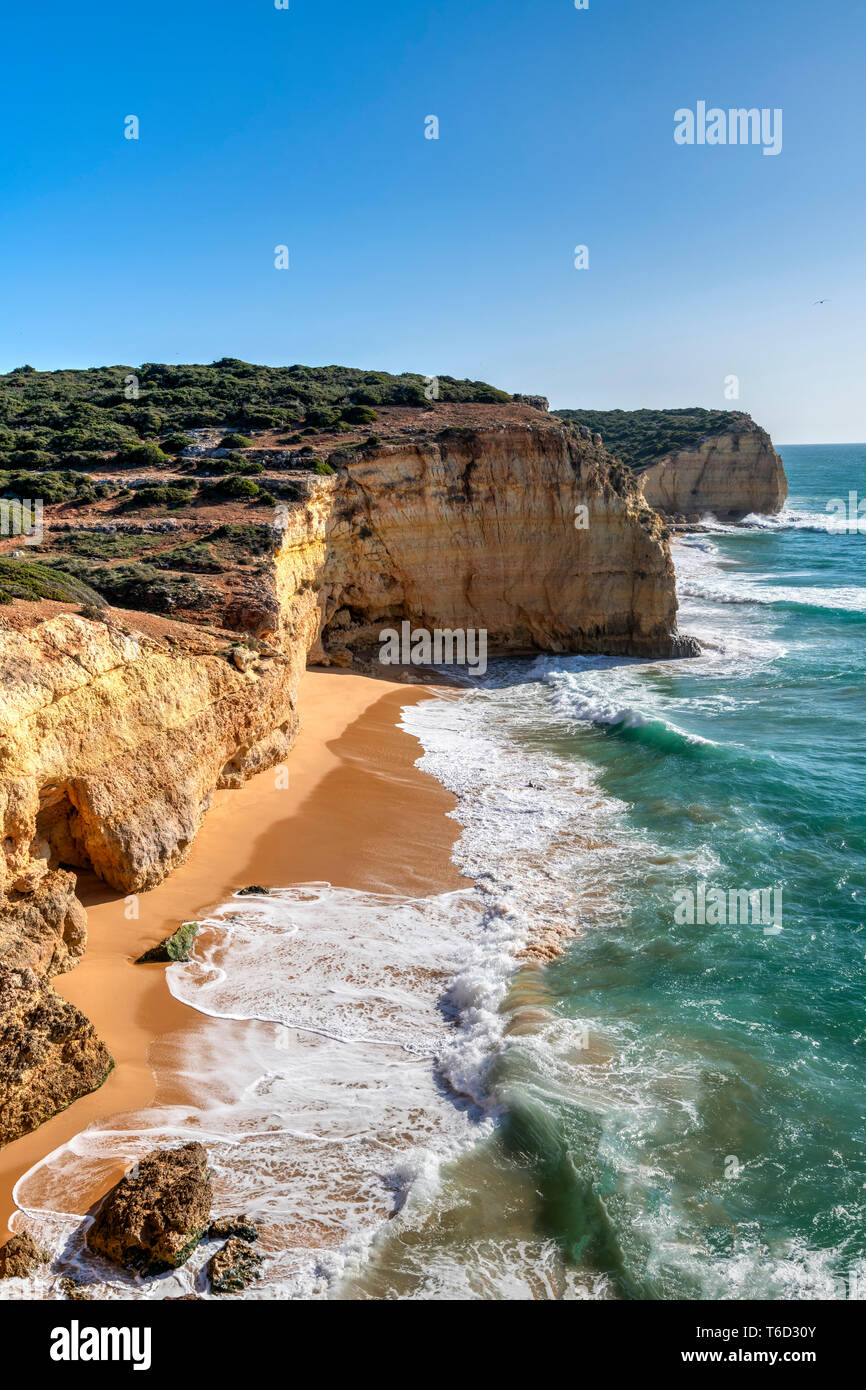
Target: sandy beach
x,y
356,813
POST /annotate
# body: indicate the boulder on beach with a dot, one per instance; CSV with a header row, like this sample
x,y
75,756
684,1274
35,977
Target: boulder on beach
x,y
174,948
233,1267
49,1053
21,1256
226,1226
153,1219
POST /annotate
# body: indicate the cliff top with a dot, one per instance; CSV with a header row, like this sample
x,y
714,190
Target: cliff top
x,y
183,525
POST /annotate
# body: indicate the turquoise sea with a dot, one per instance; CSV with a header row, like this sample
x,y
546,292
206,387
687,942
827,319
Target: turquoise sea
x,y
684,1118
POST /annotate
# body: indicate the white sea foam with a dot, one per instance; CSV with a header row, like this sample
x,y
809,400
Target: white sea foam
x,y
701,574
788,519
330,1077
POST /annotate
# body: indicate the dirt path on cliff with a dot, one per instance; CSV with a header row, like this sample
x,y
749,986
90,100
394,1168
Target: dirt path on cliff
x,y
356,813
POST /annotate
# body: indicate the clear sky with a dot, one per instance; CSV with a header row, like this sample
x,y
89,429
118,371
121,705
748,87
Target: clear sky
x,y
305,127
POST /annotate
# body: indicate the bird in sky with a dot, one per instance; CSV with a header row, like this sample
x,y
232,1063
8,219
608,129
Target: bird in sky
x,y
822,301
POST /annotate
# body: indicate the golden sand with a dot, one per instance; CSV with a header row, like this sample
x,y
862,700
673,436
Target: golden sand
x,y
356,813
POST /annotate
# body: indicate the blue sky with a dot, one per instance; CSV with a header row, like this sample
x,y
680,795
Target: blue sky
x,y
305,127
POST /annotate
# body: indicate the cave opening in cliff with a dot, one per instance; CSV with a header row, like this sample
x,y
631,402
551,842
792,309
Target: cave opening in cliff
x,y
57,824
343,621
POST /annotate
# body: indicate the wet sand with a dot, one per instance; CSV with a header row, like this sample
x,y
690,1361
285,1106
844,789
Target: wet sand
x,y
356,813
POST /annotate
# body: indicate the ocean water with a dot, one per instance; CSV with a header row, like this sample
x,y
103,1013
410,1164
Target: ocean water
x,y
551,1085
681,1115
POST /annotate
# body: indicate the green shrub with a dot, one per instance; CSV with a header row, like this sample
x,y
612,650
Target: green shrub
x,y
143,586
48,487
321,418
75,412
323,468
31,458
359,414
146,455
232,463
176,443
232,486
101,545
243,533
156,497
197,556
83,462
29,579
235,441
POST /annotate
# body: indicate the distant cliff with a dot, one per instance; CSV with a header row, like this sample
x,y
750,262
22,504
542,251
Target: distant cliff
x,y
694,462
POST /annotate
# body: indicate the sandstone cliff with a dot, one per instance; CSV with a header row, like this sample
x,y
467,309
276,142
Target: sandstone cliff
x,y
483,528
729,475
113,739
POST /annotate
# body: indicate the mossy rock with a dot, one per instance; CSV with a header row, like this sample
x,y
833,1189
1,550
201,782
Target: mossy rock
x,y
233,1267
253,889
174,948
226,1226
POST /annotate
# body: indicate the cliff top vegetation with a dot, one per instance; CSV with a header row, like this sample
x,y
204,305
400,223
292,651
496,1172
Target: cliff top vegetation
x,y
640,437
56,419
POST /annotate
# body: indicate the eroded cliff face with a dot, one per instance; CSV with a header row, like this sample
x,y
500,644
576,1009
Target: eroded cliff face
x,y
112,741
111,745
524,530
728,475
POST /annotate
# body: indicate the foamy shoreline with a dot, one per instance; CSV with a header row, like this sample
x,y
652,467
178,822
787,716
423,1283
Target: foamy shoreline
x,y
357,813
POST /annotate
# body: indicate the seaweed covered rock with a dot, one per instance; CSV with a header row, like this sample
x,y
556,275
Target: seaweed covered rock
x,y
174,948
21,1256
233,1267
226,1226
156,1215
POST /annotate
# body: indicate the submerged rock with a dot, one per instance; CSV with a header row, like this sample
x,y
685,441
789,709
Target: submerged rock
x,y
153,1219
234,1267
174,948
75,1291
227,1226
21,1256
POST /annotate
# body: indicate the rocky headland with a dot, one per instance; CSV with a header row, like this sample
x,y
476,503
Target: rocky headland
x,y
694,463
